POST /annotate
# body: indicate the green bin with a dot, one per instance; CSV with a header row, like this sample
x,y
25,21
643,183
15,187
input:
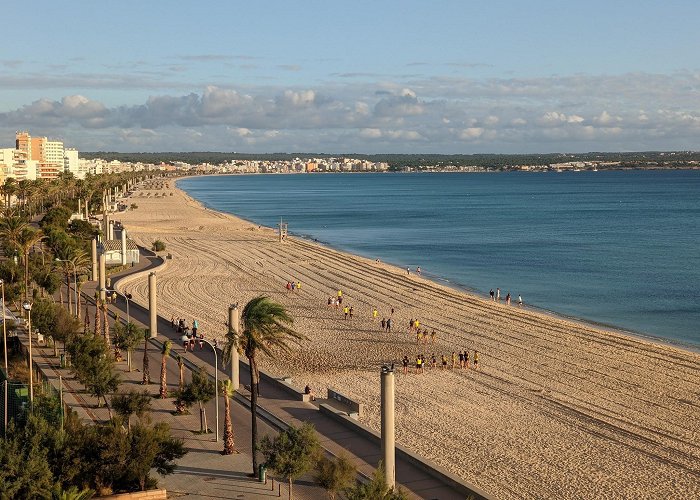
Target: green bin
x,y
262,473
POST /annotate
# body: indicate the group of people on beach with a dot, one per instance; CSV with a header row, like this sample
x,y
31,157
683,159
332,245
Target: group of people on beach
x,y
496,297
189,336
445,362
293,286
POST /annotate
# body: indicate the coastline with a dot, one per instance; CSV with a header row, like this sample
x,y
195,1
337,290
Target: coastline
x,y
558,409
457,286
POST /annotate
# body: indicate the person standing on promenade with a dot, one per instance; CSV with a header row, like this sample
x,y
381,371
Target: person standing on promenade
x,y
498,294
492,295
520,300
405,364
388,325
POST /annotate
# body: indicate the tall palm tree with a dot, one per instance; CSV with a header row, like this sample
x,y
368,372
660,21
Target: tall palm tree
x,y
181,368
105,322
227,391
28,238
265,328
165,352
11,226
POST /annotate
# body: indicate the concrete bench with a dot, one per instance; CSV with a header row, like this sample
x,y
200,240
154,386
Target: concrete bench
x,y
356,409
284,384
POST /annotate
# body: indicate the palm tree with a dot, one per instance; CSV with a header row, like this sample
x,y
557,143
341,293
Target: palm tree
x,y
11,227
181,368
227,391
146,370
265,327
105,322
165,352
27,239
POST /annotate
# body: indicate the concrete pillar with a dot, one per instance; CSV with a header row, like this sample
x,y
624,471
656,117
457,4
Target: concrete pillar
x,y
111,230
388,446
234,325
103,275
152,304
123,235
94,259
105,225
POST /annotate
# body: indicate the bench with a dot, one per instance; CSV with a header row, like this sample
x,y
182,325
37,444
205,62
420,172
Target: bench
x,y
356,409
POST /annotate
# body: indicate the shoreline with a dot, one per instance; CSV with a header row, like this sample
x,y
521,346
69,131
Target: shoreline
x,y
557,408
466,289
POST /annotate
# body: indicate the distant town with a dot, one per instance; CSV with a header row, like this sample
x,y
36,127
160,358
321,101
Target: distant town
x,y
43,158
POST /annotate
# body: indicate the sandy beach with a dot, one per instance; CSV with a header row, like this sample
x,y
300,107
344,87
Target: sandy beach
x,y
558,409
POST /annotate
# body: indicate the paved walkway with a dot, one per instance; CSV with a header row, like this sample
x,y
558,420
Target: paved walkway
x,y
335,438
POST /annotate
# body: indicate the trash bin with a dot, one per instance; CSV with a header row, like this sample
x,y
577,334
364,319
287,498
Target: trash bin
x,y
262,473
63,360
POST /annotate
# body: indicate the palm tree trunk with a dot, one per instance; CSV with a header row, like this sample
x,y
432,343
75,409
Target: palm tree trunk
x,y
146,372
106,324
98,319
77,305
163,380
290,487
228,427
254,412
70,302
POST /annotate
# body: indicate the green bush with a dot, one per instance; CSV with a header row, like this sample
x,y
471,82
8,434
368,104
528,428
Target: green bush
x,y
158,246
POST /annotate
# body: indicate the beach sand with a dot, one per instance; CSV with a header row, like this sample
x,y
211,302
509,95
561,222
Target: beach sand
x,y
558,409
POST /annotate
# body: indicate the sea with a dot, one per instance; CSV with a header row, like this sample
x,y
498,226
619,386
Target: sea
x,y
617,248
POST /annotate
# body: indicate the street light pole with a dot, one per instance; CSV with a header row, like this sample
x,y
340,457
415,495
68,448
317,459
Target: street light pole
x,y
216,380
28,307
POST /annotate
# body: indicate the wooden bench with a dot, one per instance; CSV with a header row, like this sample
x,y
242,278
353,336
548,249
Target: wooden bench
x,y
356,409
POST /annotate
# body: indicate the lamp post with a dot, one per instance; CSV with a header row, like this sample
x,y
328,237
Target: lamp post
x,y
75,284
4,326
216,379
27,306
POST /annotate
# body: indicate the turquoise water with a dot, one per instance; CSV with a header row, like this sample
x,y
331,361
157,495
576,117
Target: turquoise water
x,y
619,248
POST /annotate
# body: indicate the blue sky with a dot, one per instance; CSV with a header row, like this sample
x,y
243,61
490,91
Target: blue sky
x,y
341,77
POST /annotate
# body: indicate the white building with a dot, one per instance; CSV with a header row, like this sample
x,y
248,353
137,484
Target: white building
x,y
71,162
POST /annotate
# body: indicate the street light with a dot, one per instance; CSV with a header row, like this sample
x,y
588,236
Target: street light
x,y
75,284
27,306
216,379
127,298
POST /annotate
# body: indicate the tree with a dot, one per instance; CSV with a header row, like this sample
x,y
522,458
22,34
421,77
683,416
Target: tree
x,y
158,246
27,239
127,336
152,447
335,475
72,493
164,352
181,369
131,403
146,369
202,389
227,391
264,329
65,327
292,452
24,471
376,488
93,366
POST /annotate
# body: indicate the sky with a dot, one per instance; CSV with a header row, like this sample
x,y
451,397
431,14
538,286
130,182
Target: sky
x,y
490,76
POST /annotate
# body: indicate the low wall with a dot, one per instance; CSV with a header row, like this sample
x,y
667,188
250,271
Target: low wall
x,y
142,495
355,407
284,385
434,470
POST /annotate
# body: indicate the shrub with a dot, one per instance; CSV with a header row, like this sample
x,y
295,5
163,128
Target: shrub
x,y
158,246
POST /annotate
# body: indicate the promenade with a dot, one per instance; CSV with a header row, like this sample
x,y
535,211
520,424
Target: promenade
x,y
277,405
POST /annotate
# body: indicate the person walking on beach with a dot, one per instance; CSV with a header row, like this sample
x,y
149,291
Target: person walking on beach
x,y
476,359
405,364
195,327
374,314
508,299
408,271
498,294
172,322
418,270
492,295
419,363
294,285
383,323
351,312
454,360
289,286
520,300
432,337
298,285
419,336
461,359
388,325
466,359
416,324
346,310
443,359
410,325
433,361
